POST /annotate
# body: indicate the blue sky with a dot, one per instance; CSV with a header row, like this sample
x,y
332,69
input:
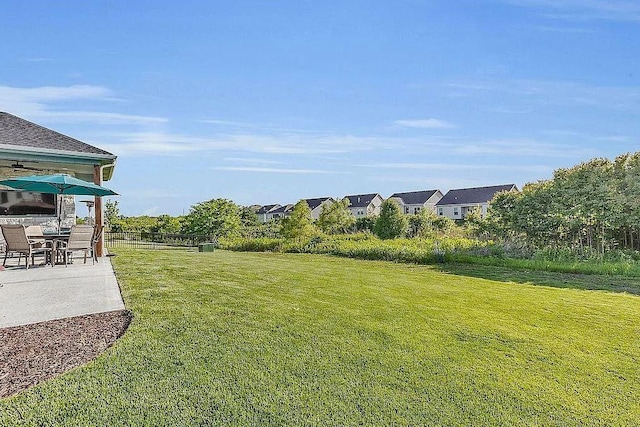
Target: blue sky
x,y
269,102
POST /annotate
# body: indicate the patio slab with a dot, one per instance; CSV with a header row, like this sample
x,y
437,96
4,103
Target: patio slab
x,y
44,293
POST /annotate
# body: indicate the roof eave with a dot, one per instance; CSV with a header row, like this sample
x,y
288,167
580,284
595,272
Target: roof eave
x,y
50,153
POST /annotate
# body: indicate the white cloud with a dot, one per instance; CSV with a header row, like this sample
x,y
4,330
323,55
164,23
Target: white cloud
x,y
252,160
529,94
275,170
449,167
142,143
38,59
617,10
37,103
424,124
523,148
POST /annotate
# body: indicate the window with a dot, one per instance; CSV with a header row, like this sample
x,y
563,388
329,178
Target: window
x,y
456,211
440,212
416,210
406,209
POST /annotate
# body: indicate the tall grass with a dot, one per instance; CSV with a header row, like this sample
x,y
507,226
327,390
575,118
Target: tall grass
x,y
445,250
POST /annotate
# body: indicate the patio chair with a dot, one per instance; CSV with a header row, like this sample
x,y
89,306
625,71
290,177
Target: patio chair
x,y
97,235
35,234
80,239
17,241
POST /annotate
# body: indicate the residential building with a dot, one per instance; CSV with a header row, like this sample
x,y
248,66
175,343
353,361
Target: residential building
x,y
413,202
279,212
263,212
316,205
362,205
457,203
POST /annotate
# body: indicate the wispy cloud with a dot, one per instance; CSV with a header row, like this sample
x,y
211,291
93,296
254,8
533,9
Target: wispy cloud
x,y
617,10
255,127
424,124
40,102
142,143
531,93
449,167
37,59
560,29
275,170
524,148
252,160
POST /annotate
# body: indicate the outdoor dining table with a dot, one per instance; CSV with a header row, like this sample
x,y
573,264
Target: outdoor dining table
x,y
57,241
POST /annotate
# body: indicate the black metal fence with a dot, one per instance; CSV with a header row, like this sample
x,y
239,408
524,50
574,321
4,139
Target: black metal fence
x,y
141,240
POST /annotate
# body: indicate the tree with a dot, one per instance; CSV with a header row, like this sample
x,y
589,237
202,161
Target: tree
x,y
335,218
248,217
365,224
422,223
217,217
299,223
391,223
112,216
167,224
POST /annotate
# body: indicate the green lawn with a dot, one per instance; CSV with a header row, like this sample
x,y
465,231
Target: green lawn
x,y
261,338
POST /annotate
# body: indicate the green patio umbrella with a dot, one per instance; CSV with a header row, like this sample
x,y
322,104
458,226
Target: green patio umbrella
x,y
59,183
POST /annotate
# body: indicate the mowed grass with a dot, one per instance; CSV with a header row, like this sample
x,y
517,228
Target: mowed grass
x,y
297,339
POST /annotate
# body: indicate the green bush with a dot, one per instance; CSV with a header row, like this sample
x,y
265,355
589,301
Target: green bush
x,y
245,244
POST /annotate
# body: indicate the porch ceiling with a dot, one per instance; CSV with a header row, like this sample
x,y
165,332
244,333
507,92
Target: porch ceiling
x,y
16,167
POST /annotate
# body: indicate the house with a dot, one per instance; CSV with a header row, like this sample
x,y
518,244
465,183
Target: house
x,y
362,205
316,205
279,212
263,212
457,203
30,149
413,202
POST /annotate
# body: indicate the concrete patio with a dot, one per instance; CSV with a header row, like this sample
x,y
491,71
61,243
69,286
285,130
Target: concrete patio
x,y
44,293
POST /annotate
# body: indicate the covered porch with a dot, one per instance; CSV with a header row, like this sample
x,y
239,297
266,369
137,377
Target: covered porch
x,y
30,149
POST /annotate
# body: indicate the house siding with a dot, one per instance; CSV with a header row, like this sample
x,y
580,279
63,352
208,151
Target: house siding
x,y
415,208
459,211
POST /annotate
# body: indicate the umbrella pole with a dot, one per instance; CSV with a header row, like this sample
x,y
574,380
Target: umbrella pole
x,y
59,213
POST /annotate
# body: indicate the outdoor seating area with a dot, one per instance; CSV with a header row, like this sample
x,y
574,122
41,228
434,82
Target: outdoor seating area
x,y
18,242
53,248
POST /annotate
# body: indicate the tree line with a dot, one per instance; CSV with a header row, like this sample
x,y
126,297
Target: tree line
x,y
593,205
223,218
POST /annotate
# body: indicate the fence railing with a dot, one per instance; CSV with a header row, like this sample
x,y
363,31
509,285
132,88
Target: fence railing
x,y
143,240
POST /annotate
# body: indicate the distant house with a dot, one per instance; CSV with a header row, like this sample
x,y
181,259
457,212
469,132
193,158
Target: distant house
x,y
413,202
316,205
362,205
457,203
279,212
263,212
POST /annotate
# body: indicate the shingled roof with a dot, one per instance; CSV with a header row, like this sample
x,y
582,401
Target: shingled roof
x,y
266,208
314,203
282,209
415,197
19,132
361,200
465,196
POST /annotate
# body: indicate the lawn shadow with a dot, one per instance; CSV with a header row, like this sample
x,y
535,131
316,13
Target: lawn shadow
x,y
618,284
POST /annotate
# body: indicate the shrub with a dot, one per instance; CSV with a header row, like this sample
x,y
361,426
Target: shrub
x,y
391,223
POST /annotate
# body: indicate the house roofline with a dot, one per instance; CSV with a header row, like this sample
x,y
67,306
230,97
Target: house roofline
x,y
38,152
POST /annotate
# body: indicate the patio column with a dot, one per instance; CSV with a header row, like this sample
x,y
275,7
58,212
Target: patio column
x,y
97,179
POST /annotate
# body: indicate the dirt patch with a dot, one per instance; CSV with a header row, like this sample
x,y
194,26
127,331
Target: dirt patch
x,y
34,353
